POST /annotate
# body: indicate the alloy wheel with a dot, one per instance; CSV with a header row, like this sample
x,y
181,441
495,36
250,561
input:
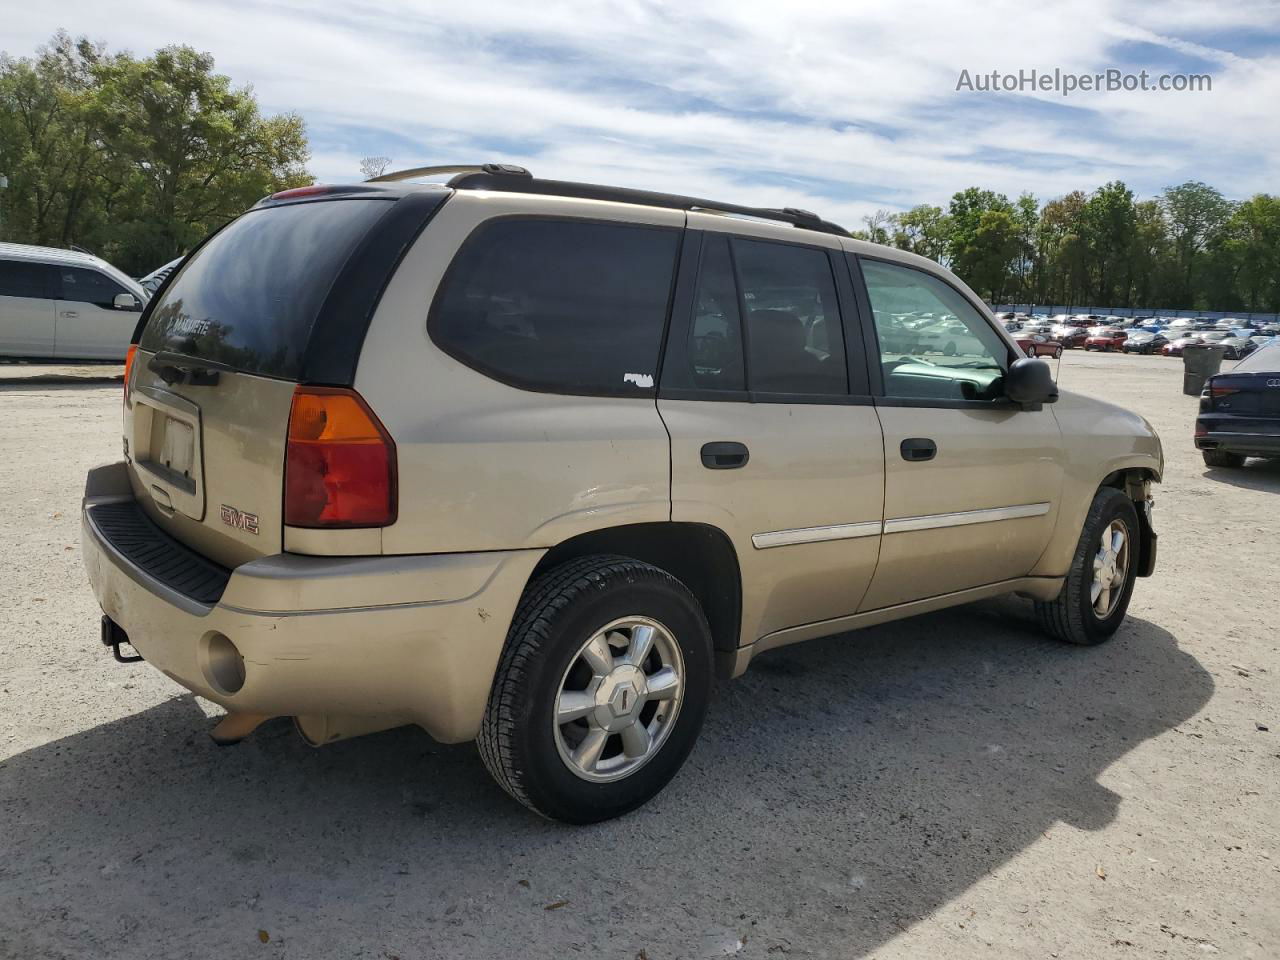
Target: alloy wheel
x,y
618,699
1110,568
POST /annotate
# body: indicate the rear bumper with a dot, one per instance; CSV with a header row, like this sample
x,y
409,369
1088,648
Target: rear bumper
x,y
1243,444
409,639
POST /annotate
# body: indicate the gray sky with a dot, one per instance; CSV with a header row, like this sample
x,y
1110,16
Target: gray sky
x,y
841,108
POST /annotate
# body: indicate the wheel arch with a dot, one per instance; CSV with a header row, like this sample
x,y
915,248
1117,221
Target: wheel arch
x,y
699,555
1135,483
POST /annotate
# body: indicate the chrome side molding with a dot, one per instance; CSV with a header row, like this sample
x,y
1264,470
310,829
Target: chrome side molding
x,y
872,528
965,517
839,531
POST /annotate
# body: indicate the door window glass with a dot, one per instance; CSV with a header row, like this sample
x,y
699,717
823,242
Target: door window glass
x,y
795,344
715,338
89,286
933,343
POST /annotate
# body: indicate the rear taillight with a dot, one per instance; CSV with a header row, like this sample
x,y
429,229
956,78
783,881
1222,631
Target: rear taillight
x,y
1201,430
340,465
1217,391
128,369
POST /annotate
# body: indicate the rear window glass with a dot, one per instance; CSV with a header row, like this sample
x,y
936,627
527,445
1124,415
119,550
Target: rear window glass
x,y
559,305
249,297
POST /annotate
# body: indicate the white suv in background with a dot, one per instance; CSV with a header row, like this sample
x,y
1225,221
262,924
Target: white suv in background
x,y
64,304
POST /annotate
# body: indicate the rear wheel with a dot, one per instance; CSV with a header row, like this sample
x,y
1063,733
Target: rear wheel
x,y
1096,594
1221,458
601,690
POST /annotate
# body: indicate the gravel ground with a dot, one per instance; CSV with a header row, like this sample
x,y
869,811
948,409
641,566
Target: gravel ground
x,y
951,786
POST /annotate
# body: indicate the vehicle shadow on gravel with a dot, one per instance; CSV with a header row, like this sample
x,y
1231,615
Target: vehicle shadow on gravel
x,y
841,791
1261,475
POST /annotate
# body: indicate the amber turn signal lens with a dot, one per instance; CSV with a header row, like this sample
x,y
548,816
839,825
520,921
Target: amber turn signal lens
x,y
128,368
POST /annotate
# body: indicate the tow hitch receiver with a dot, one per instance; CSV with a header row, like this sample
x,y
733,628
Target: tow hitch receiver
x,y
112,636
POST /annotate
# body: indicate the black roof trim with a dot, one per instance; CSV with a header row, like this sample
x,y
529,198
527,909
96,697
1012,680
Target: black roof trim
x,y
522,182
338,333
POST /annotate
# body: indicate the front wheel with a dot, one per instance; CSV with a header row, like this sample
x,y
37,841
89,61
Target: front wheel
x,y
1098,587
601,690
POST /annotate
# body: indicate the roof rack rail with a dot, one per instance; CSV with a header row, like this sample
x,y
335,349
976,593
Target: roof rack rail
x,y
494,176
503,169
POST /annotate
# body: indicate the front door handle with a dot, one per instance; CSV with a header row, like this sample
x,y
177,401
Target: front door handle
x,y
725,455
918,449
70,313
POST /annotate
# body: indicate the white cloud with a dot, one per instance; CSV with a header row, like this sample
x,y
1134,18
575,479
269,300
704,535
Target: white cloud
x,y
841,109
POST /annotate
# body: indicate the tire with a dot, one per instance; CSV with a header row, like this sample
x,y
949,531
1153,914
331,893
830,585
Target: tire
x,y
1073,616
1221,458
561,613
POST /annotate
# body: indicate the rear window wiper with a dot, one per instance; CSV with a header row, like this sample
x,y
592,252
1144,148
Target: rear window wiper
x,y
174,368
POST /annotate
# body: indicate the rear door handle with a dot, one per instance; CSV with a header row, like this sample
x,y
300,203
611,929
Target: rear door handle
x,y
70,313
725,455
917,449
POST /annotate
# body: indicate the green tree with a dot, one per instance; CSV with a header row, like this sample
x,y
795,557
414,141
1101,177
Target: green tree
x,y
1251,239
135,159
1195,212
925,230
1026,214
1108,222
1148,254
985,261
1063,251
983,239
191,152
48,147
880,225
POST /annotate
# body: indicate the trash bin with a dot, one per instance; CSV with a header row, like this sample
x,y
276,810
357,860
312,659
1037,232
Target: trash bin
x,y
1200,361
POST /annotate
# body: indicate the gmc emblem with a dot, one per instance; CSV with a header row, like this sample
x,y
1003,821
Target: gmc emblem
x,y
239,520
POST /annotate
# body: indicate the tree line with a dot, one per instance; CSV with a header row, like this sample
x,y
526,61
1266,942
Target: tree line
x,y
133,159
1189,248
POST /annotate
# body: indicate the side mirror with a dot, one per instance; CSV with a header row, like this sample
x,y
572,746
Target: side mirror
x,y
1029,383
126,301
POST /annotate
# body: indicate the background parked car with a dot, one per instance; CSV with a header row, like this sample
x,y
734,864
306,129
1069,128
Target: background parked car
x,y
1038,345
1144,341
64,304
1240,411
1069,336
1238,347
1106,338
1174,347
151,282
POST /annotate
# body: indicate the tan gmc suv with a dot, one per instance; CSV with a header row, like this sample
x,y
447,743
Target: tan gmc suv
x,y
531,462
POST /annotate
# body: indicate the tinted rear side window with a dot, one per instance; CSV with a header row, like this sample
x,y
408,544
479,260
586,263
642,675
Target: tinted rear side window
x,y
249,297
568,306
793,323
22,278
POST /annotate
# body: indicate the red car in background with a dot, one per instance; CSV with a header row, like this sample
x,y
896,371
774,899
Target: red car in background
x,y
1035,345
1108,338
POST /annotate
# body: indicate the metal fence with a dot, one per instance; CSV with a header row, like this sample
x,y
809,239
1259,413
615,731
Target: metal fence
x,y
1052,309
